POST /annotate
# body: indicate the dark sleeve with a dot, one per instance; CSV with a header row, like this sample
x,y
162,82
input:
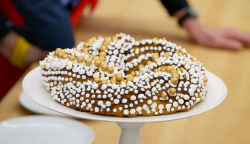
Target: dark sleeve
x,y
3,28
47,23
173,6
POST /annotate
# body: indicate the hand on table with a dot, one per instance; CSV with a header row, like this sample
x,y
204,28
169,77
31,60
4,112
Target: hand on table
x,y
216,37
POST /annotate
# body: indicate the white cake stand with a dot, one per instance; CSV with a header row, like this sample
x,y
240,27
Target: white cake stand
x,y
33,87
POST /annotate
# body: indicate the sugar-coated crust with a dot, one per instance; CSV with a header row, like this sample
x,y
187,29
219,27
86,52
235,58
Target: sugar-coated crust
x,y
119,76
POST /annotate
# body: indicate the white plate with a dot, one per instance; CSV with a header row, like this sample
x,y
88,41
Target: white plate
x,y
33,87
44,130
32,106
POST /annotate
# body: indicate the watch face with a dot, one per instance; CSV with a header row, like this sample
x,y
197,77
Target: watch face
x,y
192,12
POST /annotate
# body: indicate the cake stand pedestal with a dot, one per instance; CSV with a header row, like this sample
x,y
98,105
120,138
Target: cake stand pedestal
x,y
130,134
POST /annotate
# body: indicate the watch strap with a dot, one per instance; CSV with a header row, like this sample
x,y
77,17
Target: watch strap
x,y
187,15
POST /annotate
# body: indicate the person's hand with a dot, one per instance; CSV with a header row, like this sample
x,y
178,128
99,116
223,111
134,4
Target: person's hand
x,y
216,37
34,53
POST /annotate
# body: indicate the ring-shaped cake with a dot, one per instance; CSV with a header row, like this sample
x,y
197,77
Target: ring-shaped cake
x,y
119,76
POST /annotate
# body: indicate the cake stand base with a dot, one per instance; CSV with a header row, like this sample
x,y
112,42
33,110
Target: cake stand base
x,y
130,133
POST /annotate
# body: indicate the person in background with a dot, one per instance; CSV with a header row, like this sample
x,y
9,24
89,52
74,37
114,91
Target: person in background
x,y
31,28
202,34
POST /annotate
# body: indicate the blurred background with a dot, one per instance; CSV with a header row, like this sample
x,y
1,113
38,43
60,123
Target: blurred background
x,y
227,123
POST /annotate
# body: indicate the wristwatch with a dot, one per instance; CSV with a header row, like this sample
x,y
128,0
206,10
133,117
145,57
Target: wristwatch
x,y
190,13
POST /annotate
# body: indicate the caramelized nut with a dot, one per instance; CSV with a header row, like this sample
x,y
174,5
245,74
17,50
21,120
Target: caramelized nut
x,y
80,59
98,63
166,55
95,58
65,56
169,69
205,79
176,75
117,35
72,58
60,54
164,95
102,54
119,77
123,81
133,73
163,69
141,66
172,91
88,62
58,49
104,67
86,53
104,82
110,70
91,56
174,81
156,70
154,57
103,48
113,81
97,79
85,50
107,39
102,58
87,44
149,62
130,77
93,39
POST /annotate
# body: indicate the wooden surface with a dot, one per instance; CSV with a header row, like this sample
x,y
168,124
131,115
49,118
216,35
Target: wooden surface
x,y
228,123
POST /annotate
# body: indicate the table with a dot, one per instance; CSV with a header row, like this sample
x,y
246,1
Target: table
x,y
227,123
